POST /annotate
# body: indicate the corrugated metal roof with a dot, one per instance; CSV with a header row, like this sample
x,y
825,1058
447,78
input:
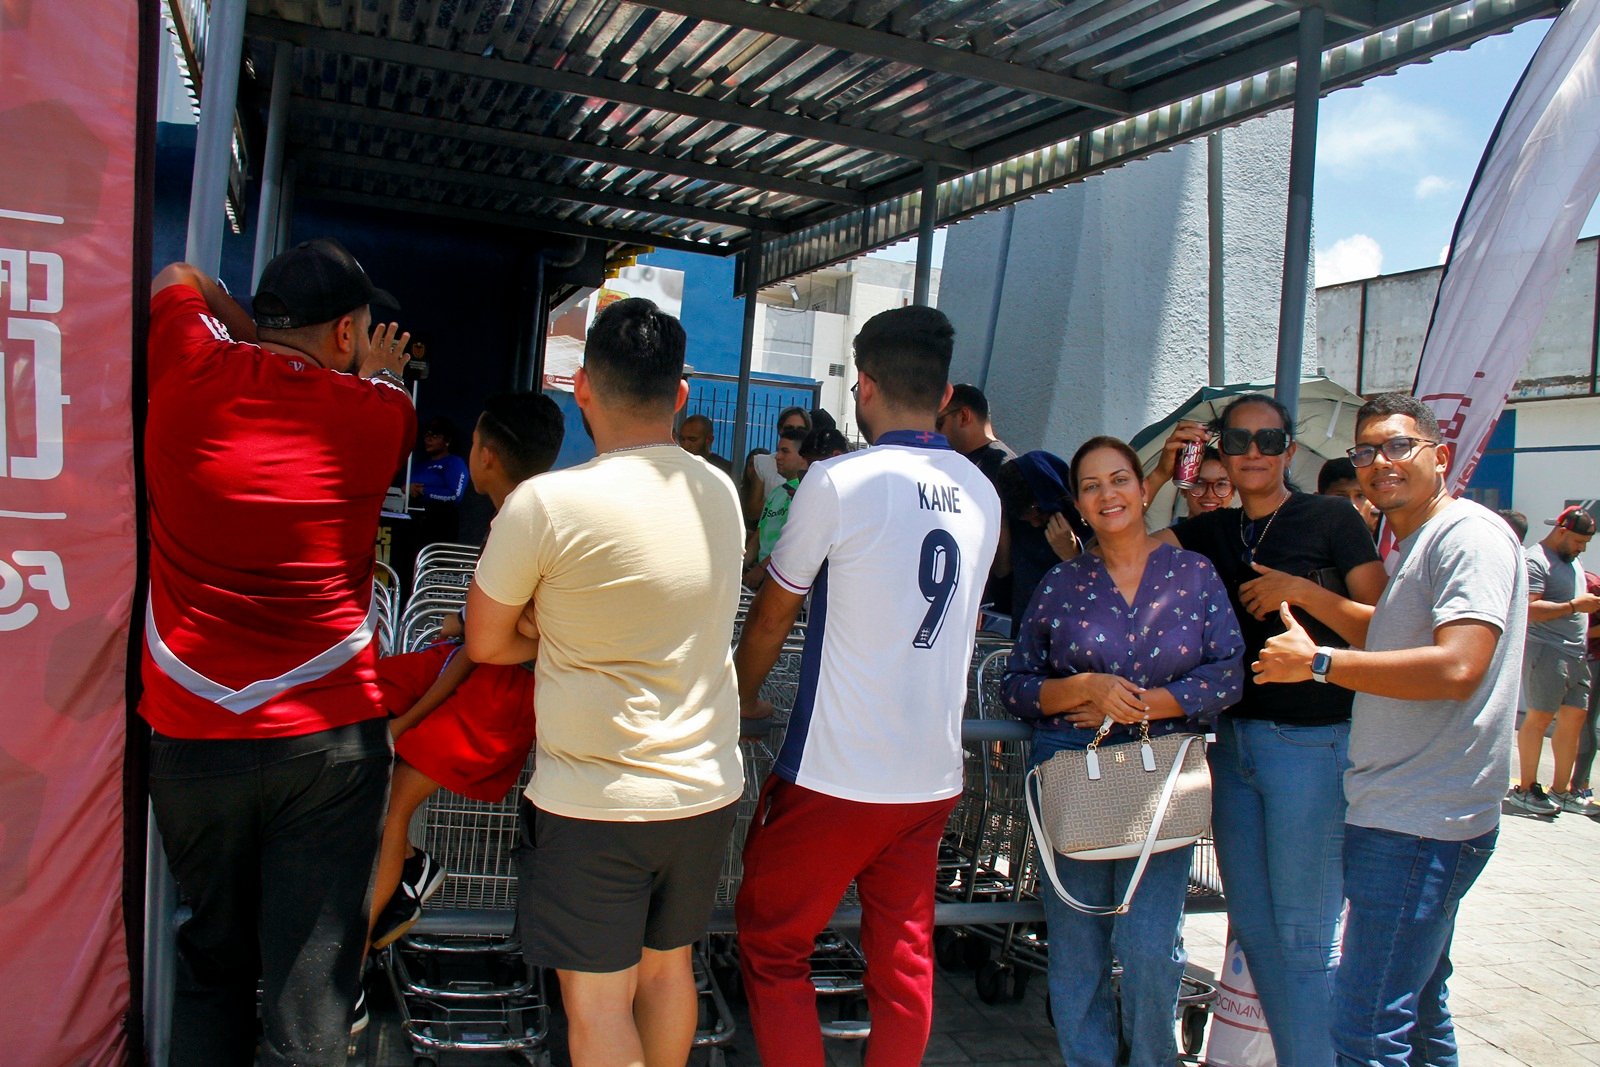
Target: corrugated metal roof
x,y
695,124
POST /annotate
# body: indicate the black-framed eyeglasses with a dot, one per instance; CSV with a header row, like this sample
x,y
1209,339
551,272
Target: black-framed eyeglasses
x,y
1235,441
855,390
1395,450
1222,488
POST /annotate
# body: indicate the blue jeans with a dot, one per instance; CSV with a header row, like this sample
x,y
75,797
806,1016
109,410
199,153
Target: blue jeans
x,y
1390,1003
1147,941
1278,818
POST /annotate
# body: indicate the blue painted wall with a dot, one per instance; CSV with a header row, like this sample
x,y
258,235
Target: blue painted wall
x,y
1495,476
712,316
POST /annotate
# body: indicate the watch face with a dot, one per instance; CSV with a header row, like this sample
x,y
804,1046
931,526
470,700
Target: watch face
x,y
1320,663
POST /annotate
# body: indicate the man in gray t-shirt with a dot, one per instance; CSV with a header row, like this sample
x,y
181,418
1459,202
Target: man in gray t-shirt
x,y
1555,676
1430,741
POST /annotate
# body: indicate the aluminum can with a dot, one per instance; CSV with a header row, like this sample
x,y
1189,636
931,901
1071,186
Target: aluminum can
x,y
1187,473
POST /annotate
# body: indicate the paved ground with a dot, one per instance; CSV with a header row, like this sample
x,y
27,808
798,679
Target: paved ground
x,y
1526,989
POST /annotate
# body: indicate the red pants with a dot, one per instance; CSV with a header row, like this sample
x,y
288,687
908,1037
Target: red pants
x,y
803,850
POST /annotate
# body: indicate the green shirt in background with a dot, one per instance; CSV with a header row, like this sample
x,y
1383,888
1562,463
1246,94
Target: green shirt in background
x,y
773,516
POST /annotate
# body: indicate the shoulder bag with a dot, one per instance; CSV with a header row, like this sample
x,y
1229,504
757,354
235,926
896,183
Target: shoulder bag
x,y
1123,801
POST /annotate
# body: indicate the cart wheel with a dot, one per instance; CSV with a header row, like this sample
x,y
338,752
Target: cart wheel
x,y
996,982
948,948
975,952
1195,1017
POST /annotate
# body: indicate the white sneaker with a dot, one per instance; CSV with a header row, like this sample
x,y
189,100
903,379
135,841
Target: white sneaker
x,y
1532,800
1576,803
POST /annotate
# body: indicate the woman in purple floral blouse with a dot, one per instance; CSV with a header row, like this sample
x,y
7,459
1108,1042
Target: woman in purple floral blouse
x,y
1140,633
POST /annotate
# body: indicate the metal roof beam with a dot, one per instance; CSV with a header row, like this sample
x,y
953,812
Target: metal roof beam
x,y
555,146
506,184
1356,14
560,81
541,223
847,37
1278,50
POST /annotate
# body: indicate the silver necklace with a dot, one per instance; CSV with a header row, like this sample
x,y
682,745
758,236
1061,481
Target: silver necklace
x,y
1249,554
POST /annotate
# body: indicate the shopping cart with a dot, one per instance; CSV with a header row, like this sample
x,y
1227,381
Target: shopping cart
x,y
838,969
989,855
459,977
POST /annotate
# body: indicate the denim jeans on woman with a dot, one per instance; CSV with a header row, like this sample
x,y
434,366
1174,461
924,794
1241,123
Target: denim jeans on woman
x,y
1278,818
1147,941
1391,1008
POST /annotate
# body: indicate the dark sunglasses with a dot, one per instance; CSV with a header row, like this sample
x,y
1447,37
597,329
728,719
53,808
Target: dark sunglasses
x,y
1271,442
1395,450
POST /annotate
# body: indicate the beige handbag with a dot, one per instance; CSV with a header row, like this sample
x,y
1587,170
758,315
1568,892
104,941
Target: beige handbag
x,y
1126,800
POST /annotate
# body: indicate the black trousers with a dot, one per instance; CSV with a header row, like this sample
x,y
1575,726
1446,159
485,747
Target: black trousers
x,y
272,843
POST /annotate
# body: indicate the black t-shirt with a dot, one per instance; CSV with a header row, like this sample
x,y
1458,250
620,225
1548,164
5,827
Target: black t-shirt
x,y
1316,537
991,457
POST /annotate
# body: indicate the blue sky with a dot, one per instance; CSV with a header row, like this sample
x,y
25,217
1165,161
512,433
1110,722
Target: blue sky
x,y
1395,157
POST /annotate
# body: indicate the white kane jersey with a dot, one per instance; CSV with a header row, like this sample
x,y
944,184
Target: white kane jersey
x,y
894,542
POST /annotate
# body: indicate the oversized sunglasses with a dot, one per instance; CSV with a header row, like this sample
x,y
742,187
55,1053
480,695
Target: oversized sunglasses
x,y
1395,450
1271,442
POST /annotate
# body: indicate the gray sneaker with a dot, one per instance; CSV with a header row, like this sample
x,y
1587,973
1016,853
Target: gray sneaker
x,y
1575,803
1532,800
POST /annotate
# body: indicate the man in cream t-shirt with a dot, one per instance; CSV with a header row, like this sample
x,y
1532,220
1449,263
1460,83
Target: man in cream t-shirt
x,y
627,569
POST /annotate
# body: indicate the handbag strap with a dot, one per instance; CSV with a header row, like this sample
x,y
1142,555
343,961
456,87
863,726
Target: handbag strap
x,y
1048,852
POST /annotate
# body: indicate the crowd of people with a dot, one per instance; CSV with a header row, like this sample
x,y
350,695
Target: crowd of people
x,y
1363,719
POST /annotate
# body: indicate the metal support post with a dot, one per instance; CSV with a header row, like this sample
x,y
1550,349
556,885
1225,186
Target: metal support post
x,y
281,231
268,217
213,147
538,327
927,217
1297,232
747,344
1216,323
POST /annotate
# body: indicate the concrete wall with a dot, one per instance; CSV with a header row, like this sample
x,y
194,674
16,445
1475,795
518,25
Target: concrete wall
x,y
1103,320
1382,353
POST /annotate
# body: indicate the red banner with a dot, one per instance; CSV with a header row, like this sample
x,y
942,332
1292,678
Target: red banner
x,y
69,89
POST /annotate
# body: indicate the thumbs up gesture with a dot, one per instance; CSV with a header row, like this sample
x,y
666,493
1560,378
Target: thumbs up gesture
x,y
1286,657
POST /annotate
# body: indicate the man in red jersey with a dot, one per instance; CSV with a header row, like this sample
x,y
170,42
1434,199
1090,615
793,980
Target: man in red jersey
x,y
268,450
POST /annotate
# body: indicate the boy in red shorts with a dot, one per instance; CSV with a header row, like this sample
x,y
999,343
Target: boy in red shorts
x,y
459,725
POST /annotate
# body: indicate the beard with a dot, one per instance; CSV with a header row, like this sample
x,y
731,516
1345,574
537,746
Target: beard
x,y
865,427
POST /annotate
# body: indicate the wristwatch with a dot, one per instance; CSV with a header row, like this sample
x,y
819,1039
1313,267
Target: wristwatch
x,y
1321,663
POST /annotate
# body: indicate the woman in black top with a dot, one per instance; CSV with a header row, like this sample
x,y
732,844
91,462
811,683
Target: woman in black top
x,y
1278,765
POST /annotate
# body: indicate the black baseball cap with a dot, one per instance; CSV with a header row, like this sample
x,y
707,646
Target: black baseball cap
x,y
312,283
1575,519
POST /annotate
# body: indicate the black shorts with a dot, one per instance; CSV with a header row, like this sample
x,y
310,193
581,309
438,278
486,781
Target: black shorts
x,y
594,894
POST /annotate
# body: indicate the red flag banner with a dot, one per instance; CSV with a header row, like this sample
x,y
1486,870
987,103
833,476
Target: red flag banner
x,y
69,94
1517,230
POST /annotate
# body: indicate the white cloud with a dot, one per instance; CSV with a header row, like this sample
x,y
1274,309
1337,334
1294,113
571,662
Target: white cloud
x,y
1444,253
1434,185
1350,258
1379,130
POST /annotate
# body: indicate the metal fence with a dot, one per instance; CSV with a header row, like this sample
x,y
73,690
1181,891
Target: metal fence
x,y
716,396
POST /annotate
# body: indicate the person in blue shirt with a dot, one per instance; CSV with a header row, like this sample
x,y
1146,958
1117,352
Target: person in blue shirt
x,y
439,483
